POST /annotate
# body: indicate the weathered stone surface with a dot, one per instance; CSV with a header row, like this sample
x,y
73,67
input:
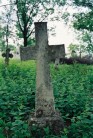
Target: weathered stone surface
x,y
54,123
28,53
44,92
54,51
45,113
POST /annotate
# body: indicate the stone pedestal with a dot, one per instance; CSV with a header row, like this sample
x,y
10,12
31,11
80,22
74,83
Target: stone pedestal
x,y
54,124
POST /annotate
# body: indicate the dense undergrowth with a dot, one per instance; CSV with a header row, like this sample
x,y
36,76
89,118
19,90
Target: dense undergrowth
x,y
73,90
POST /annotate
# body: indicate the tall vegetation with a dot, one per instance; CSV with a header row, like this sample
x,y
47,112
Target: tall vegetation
x,y
73,91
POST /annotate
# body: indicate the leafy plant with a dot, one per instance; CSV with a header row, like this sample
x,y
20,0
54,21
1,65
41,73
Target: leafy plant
x,y
73,91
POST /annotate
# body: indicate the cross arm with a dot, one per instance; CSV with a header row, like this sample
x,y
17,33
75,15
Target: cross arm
x,y
28,53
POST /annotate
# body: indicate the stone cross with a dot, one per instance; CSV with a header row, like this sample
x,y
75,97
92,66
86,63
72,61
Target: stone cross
x,y
45,112
55,52
43,53
7,55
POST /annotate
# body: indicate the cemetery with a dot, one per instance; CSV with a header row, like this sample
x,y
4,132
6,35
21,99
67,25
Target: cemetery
x,y
39,101
46,89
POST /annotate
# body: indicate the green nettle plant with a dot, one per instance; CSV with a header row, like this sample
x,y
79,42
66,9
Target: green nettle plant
x,y
73,91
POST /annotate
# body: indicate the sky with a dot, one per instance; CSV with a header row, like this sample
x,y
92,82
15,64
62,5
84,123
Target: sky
x,y
63,34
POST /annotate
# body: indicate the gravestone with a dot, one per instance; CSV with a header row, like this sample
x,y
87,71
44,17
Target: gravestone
x,y
54,52
7,55
45,113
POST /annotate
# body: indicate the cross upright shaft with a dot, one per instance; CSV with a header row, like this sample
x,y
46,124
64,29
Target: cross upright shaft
x,y
44,102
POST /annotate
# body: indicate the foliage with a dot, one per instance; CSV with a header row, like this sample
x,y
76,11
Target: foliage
x,y
29,12
73,47
59,2
88,41
65,17
78,50
73,99
84,20
85,39
21,14
17,99
6,33
85,3
73,90
2,41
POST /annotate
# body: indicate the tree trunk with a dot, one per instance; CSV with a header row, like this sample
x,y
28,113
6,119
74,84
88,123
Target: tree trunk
x,y
25,41
25,37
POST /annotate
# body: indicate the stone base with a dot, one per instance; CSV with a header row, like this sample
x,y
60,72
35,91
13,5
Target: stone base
x,y
39,126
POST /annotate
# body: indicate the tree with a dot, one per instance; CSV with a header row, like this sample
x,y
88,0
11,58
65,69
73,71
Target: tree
x,y
29,12
73,48
6,29
2,40
87,39
84,20
85,43
76,49
84,3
